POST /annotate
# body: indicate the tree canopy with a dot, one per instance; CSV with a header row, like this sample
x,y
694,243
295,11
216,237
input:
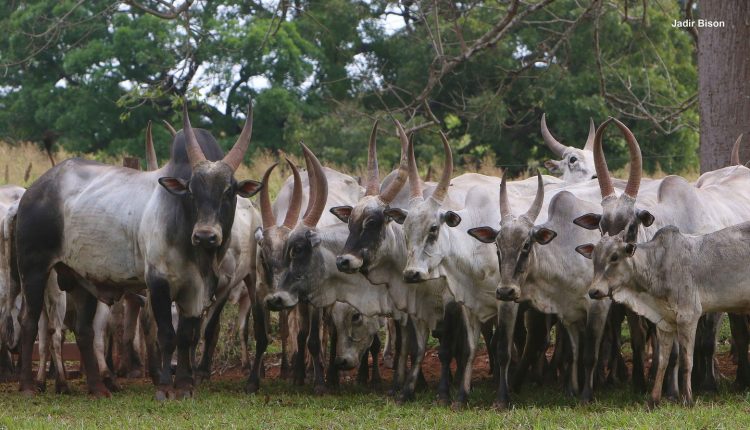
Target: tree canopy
x,y
90,74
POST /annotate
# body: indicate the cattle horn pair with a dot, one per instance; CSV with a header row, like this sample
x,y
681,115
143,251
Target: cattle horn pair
x,y
735,158
557,147
602,171
234,157
372,186
445,178
295,201
536,206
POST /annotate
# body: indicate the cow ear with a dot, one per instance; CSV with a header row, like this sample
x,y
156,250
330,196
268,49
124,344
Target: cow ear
x,y
176,186
543,235
248,188
483,234
451,219
588,221
645,217
396,214
313,238
631,234
630,249
552,165
342,212
585,250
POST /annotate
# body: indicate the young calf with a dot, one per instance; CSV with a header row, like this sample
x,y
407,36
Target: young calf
x,y
672,280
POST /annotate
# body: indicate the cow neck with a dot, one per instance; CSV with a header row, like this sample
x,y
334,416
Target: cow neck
x,y
391,258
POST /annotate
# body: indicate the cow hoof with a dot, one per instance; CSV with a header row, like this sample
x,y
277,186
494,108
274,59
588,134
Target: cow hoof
x,y
62,388
41,387
164,393
135,374
28,392
320,390
500,405
652,404
183,393
202,376
458,406
111,385
299,381
443,402
252,387
403,398
100,392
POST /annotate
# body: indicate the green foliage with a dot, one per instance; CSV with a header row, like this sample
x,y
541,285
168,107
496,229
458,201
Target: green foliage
x,y
94,73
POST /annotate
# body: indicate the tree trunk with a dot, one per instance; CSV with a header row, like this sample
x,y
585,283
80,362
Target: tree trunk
x,y
724,81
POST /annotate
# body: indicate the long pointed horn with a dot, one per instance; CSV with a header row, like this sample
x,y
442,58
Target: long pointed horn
x,y
556,147
415,186
266,212
194,151
312,190
295,201
151,163
372,185
315,207
169,128
237,153
504,205
735,158
398,182
589,146
600,164
445,179
636,161
536,207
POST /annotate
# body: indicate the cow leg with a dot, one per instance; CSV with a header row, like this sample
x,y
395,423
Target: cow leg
x,y
741,336
61,383
374,352
300,366
665,340
574,334
449,337
161,306
686,340
472,327
44,349
419,333
284,335
596,321
313,345
101,318
487,329
536,337
638,345
153,357
389,354
260,331
618,371
33,289
402,347
506,323
332,377
86,307
188,335
130,362
211,330
243,315
707,378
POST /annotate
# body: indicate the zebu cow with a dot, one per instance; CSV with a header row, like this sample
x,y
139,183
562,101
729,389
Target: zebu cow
x,y
354,339
720,198
577,165
672,280
117,229
311,274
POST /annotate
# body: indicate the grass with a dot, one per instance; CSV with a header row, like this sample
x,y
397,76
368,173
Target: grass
x,y
281,405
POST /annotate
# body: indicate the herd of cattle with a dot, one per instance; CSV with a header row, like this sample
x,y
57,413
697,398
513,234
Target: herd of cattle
x,y
465,256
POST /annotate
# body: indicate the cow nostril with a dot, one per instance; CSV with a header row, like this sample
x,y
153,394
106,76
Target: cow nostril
x,y
342,262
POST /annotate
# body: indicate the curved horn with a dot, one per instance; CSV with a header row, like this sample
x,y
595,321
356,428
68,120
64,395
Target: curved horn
x,y
589,146
536,207
151,163
194,151
415,186
237,153
266,212
636,162
315,207
169,128
600,164
372,185
556,147
311,181
295,201
398,182
504,205
735,158
445,179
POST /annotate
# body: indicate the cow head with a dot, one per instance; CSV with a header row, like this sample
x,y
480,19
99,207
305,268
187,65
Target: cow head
x,y
618,213
368,222
300,263
613,265
424,221
354,335
576,165
516,242
210,194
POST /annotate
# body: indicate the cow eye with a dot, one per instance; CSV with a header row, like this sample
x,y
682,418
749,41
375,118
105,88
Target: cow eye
x,y
370,223
573,159
527,246
613,259
356,318
434,229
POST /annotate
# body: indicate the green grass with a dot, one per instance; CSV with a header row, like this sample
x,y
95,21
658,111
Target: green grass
x,y
222,404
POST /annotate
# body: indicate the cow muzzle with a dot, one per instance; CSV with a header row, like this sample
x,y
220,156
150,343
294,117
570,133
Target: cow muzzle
x,y
280,301
207,237
345,363
507,294
413,276
597,293
348,263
